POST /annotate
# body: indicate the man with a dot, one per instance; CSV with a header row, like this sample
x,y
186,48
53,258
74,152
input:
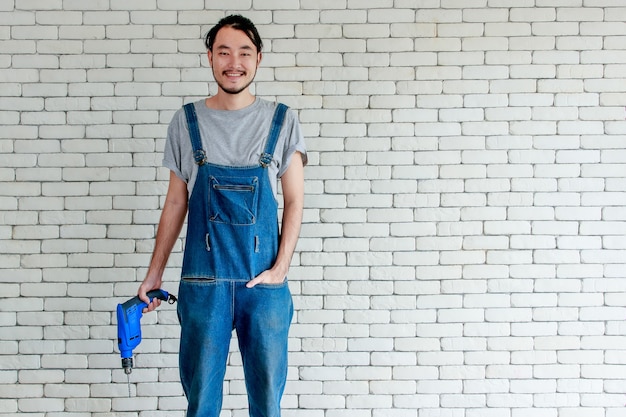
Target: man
x,y
226,154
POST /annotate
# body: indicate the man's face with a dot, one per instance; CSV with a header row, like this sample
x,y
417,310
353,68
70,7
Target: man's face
x,y
234,60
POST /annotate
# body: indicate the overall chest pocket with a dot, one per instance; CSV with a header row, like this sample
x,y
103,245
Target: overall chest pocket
x,y
233,200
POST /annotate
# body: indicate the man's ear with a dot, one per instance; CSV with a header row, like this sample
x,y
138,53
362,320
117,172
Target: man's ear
x,y
259,57
210,55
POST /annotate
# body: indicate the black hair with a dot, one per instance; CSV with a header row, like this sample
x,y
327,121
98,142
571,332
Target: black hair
x,y
238,22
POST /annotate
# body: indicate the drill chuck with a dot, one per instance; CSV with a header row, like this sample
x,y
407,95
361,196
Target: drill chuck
x,y
127,364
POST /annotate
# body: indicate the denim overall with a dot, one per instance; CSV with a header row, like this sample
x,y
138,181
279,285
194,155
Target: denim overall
x,y
232,236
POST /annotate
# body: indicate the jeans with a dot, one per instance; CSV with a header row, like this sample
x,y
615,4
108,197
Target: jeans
x,y
208,311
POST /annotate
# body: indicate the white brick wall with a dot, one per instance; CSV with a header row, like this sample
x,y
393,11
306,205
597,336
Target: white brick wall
x,y
463,251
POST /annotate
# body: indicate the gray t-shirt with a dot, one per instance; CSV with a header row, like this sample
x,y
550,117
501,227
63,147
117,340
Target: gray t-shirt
x,y
232,138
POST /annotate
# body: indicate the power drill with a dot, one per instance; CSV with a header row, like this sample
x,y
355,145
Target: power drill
x,y
129,328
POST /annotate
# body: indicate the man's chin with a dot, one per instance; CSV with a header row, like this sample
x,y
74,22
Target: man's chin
x,y
234,90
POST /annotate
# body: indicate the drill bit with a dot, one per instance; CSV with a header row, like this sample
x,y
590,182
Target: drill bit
x,y
127,364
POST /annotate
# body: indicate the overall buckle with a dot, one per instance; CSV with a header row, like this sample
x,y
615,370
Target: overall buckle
x,y
266,159
199,156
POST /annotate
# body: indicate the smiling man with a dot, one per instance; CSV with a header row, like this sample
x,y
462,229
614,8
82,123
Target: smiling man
x,y
233,79
226,154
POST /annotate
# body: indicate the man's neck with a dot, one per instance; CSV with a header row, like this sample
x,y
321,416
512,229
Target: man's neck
x,y
226,101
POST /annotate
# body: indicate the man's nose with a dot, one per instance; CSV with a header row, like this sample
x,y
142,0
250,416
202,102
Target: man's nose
x,y
234,60
238,63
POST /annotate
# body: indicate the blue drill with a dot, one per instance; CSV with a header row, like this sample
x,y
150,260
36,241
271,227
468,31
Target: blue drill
x,y
129,329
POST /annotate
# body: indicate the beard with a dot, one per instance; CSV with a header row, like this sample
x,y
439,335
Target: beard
x,y
235,90
232,90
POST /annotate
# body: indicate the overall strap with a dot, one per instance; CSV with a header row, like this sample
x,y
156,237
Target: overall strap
x,y
194,134
272,139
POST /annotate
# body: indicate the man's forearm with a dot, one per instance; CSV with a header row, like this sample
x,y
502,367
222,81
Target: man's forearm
x,y
293,196
290,231
170,225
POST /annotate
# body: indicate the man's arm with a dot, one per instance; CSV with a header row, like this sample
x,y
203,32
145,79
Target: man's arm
x,y
170,225
292,183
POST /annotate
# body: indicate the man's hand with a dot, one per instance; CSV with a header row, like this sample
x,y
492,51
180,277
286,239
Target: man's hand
x,y
149,285
270,277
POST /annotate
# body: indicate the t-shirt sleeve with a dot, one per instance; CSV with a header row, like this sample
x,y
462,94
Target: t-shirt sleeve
x,y
294,142
172,153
